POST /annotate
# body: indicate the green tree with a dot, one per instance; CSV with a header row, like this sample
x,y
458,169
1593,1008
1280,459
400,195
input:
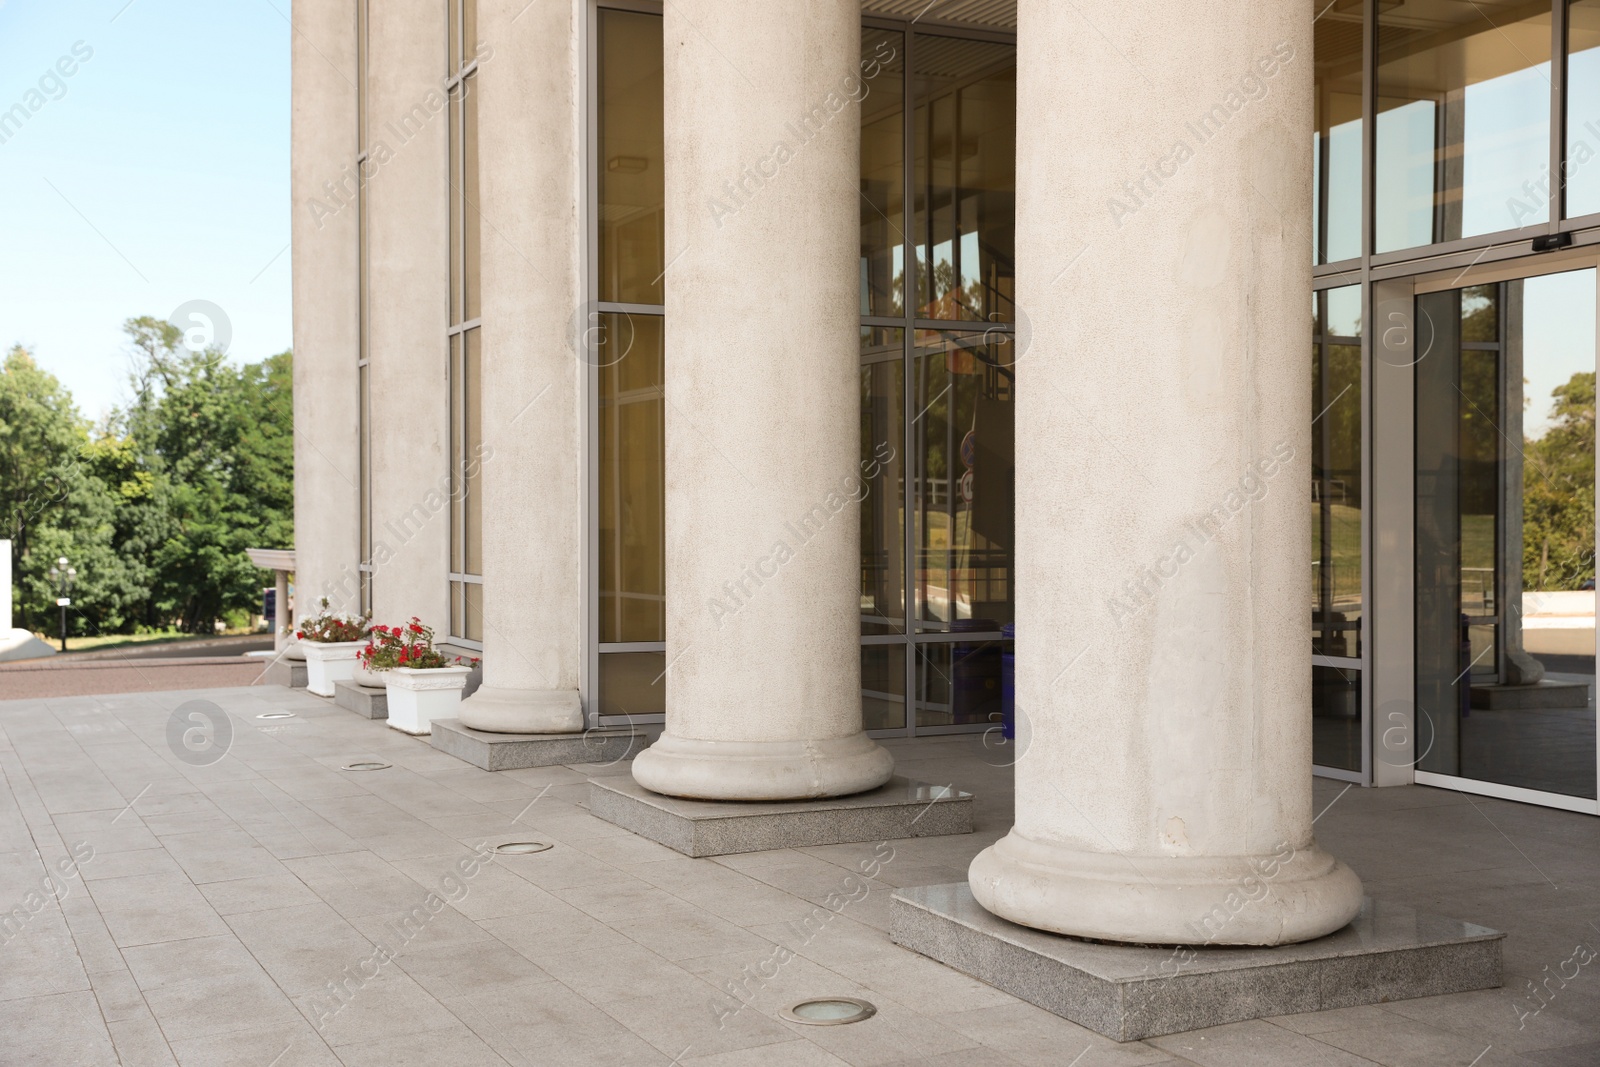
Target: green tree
x,y
1558,492
57,504
216,442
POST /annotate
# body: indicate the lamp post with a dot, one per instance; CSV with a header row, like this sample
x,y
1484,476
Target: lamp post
x,y
63,576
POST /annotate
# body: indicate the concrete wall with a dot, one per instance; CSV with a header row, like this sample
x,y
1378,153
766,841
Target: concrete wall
x,y
324,256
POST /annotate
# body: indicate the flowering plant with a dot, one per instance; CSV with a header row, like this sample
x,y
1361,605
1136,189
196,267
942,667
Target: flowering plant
x,y
410,645
329,628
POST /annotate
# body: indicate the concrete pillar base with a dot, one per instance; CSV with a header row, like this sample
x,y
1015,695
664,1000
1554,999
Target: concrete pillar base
x,y
523,711
762,770
1277,898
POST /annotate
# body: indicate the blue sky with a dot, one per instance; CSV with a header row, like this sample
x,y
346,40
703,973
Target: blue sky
x,y
160,175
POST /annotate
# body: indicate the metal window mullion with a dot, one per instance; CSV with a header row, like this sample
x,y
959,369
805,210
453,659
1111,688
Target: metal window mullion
x,y
589,378
1558,114
1369,142
909,281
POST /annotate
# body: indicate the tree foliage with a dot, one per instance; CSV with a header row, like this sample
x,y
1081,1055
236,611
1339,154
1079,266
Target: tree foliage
x,y
1558,492
155,506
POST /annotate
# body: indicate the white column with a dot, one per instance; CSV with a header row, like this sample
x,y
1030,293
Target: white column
x,y
1163,539
409,290
529,159
762,412
323,256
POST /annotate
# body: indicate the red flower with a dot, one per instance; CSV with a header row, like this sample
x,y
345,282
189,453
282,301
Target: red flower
x,y
415,628
299,635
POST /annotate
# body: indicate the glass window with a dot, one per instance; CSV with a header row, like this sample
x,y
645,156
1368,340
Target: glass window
x,y
883,686
1583,108
962,466
1463,128
1505,478
466,610
883,397
632,194
465,343
457,419
632,683
883,238
1336,516
959,683
470,468
471,225
454,194
632,535
964,185
1336,146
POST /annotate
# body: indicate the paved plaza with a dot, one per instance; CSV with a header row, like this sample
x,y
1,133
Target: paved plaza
x,y
214,899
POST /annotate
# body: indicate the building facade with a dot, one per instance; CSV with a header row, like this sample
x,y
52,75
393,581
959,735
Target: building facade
x,y
781,376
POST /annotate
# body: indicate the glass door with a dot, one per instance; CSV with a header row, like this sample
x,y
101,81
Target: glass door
x,y
1505,538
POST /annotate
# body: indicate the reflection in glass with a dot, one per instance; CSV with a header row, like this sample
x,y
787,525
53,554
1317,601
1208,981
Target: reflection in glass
x,y
466,610
1505,457
883,394
469,466
455,224
631,683
958,683
1336,148
1336,484
883,239
962,463
1336,717
883,686
632,549
964,178
1463,130
471,224
1583,108
632,194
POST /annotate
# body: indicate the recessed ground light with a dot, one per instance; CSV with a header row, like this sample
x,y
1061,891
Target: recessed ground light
x,y
276,715
366,765
520,848
829,1011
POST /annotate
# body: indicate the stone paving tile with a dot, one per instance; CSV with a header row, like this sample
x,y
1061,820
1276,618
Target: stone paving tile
x,y
291,1044
782,1054
263,877
1033,1037
140,1043
1408,1043
896,1034
536,1024
60,1030
1254,1044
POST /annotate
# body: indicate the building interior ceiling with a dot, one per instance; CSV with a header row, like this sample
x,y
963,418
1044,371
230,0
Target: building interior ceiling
x,y
995,14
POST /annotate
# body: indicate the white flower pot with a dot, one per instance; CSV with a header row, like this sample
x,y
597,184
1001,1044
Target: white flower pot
x,y
295,650
327,663
368,679
416,697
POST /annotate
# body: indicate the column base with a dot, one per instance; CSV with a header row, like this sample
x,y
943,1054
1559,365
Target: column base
x,y
1274,899
762,770
523,711
1130,992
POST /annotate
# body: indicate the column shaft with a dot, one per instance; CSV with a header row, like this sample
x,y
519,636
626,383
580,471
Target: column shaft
x,y
762,412
1163,413
409,301
530,166
324,272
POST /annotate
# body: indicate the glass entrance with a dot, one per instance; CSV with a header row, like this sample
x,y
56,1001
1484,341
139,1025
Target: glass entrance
x,y
1505,534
